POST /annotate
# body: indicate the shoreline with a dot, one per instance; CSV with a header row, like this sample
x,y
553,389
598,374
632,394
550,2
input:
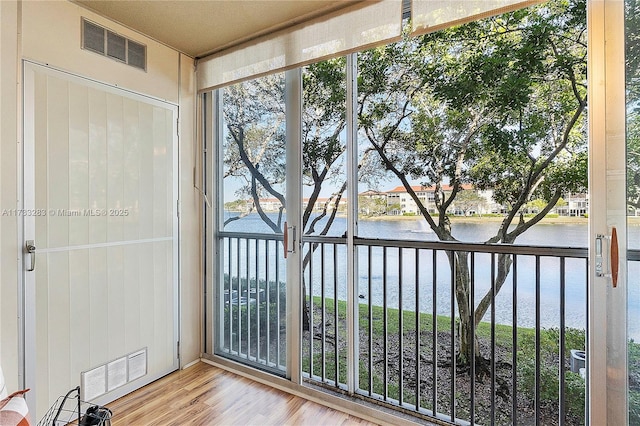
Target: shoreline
x,y
632,221
570,220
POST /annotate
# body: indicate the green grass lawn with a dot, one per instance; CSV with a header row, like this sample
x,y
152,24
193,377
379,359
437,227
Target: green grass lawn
x,y
550,361
503,333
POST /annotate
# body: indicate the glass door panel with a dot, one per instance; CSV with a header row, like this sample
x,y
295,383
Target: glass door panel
x,y
473,135
324,222
251,290
632,43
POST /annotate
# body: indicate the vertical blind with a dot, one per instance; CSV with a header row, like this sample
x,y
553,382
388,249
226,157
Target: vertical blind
x,y
433,15
355,28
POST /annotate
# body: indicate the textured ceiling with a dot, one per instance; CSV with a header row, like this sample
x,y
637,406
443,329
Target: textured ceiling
x,y
198,28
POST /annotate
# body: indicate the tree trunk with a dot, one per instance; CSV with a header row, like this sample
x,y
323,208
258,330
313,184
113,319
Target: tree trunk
x,y
306,320
504,267
462,279
306,324
468,342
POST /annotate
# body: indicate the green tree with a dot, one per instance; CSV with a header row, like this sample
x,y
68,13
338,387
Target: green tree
x,y
236,205
633,160
254,148
372,205
497,103
632,43
469,200
393,207
536,205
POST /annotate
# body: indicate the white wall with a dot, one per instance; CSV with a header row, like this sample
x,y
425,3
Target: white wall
x,y
191,317
8,193
49,33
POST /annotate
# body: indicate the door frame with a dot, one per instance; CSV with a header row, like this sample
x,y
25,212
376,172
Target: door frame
x,y
213,155
26,186
293,197
607,310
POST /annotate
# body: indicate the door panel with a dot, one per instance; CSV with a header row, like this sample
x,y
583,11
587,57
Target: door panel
x,y
100,188
632,61
608,376
251,305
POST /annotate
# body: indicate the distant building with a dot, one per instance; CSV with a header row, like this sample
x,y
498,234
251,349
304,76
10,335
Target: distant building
x,y
399,202
372,203
273,204
576,205
269,204
321,202
373,194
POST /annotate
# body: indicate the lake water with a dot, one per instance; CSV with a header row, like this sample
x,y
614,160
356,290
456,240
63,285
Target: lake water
x,y
562,235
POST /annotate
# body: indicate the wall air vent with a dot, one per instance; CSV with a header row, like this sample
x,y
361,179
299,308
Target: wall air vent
x,y
137,54
107,377
93,37
100,40
116,46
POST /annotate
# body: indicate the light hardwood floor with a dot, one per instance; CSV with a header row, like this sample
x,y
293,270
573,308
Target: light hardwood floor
x,y
207,395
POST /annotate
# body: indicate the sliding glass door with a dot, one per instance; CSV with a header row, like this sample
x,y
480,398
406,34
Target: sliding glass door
x,y
632,56
249,263
342,244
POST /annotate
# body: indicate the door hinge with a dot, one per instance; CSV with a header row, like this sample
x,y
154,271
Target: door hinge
x,y
178,349
178,208
178,126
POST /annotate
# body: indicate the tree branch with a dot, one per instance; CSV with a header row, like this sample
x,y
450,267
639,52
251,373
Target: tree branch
x,y
253,169
256,201
240,216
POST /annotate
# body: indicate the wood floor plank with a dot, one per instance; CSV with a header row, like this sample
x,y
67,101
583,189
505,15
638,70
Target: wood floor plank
x,y
207,395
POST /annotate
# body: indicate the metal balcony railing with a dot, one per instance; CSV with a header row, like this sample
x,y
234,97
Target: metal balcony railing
x,y
252,301
409,328
526,347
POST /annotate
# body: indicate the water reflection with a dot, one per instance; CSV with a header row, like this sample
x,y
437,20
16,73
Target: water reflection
x,y
558,235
